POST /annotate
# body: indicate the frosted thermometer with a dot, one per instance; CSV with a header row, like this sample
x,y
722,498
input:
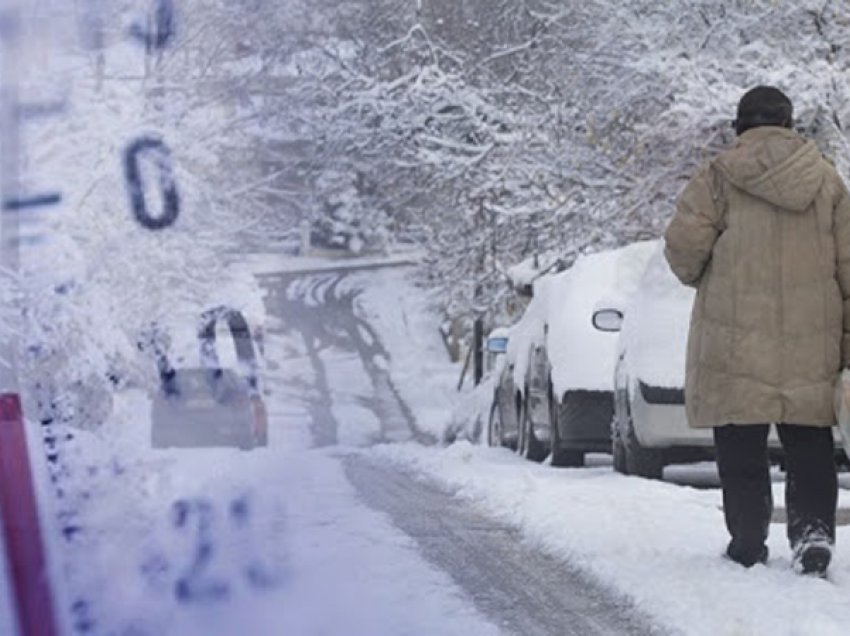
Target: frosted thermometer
x,y
35,90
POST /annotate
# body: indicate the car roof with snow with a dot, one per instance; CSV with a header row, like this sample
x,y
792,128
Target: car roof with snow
x,y
580,356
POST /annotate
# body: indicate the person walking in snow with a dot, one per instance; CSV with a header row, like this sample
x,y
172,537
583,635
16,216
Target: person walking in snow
x,y
763,233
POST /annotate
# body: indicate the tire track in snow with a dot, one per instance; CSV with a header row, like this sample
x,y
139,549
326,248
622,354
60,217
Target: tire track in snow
x,y
321,309
520,589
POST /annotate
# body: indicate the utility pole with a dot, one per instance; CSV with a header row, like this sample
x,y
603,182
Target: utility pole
x,y
478,297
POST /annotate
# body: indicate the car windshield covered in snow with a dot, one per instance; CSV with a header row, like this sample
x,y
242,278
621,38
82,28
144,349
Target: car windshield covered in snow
x,y
354,318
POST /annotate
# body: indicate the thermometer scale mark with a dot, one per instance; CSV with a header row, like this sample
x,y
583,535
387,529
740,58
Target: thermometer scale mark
x,y
38,110
23,111
156,149
36,201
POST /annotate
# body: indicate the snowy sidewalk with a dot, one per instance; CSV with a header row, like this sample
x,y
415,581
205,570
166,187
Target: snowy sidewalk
x,y
656,543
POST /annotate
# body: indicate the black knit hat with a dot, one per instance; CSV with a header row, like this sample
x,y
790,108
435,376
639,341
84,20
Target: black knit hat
x,y
764,106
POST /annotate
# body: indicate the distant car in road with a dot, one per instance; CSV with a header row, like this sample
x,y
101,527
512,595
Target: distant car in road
x,y
554,388
213,396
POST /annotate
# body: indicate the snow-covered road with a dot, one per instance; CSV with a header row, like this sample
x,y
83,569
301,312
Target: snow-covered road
x,y
516,585
309,536
218,542
508,583
351,399
353,521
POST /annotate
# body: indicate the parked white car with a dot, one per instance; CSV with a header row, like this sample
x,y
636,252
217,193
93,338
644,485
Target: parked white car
x,y
650,428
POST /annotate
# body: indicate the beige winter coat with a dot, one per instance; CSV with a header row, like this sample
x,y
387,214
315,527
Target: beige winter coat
x,y
763,233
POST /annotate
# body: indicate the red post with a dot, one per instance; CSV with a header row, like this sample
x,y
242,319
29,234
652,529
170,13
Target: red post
x,y
24,546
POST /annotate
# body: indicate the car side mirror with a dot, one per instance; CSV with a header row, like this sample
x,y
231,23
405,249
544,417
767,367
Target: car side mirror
x,y
608,319
497,344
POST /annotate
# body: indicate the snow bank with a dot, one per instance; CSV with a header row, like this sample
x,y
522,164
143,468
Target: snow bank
x,y
524,273
216,542
419,365
471,416
655,543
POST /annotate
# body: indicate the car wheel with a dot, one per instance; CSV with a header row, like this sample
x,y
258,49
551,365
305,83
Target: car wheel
x,y
494,426
529,446
562,457
639,460
520,428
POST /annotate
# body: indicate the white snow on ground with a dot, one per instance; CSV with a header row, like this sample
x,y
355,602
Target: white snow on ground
x,y
656,543
302,557
419,367
358,426
470,418
270,263
271,541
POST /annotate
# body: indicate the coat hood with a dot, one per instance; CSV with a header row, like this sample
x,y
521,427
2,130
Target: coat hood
x,y
777,165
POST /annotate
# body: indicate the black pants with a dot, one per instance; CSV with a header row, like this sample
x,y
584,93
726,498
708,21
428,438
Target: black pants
x,y
811,489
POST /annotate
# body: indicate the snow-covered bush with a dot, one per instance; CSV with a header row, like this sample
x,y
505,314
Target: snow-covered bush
x,y
100,286
521,126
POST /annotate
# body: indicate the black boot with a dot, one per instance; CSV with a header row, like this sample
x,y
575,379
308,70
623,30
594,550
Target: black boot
x,y
747,558
811,495
812,556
